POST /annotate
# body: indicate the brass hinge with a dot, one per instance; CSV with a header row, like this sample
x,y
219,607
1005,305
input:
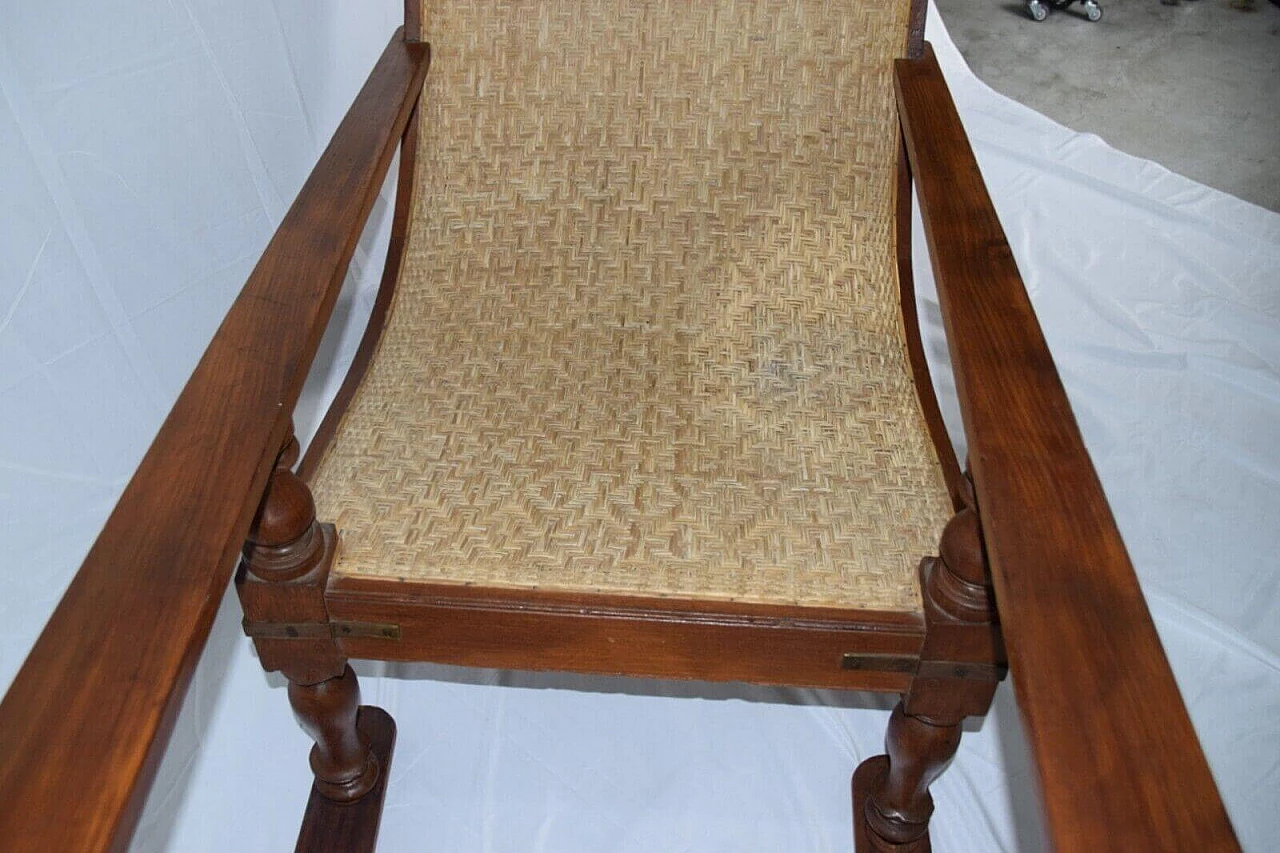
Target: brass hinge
x,y
909,665
336,630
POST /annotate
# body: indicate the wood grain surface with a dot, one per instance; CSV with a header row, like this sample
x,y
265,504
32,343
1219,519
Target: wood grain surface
x,y
84,725
1119,763
623,635
329,827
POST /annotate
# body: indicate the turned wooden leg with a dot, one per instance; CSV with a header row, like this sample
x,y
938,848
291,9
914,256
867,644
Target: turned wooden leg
x,y
281,584
961,663
344,765
919,749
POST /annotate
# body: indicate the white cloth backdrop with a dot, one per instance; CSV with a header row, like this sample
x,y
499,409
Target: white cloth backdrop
x,y
147,150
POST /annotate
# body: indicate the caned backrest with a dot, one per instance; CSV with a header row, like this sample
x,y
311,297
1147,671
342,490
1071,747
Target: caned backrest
x,y
650,307
418,16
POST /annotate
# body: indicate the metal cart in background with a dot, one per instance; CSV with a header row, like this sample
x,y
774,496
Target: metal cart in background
x,y
1039,9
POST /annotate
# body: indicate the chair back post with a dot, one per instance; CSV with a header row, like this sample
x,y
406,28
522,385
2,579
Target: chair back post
x,y
413,32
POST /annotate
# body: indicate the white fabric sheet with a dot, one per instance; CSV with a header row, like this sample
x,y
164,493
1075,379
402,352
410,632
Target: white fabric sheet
x,y
147,150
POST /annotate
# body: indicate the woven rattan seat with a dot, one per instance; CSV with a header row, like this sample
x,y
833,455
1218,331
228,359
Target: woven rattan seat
x,y
647,339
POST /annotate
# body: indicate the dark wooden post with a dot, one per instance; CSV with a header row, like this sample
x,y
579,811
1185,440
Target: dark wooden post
x,y
961,662
413,30
919,749
342,761
281,584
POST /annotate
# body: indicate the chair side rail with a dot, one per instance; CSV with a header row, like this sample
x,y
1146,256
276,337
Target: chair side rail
x,y
1119,764
86,720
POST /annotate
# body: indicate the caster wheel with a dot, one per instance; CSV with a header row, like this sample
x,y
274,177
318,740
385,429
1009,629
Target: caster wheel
x,y
1094,11
1037,10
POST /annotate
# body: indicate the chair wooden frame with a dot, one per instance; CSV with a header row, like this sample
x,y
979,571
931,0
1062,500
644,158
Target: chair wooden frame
x,y
87,718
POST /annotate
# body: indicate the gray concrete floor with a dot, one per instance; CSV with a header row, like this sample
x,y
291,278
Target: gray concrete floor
x,y
1194,87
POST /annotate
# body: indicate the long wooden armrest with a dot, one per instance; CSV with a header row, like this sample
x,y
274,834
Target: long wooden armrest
x,y
1119,763
84,724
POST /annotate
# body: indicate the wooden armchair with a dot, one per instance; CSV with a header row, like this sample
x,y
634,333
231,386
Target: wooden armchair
x,y
643,394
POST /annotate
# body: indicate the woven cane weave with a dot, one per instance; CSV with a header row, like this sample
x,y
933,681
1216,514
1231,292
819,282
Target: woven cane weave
x,y
647,339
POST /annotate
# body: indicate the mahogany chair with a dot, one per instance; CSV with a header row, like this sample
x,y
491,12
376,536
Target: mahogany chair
x,y
643,393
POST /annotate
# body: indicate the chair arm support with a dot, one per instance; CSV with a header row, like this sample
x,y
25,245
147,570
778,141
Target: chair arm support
x,y
1119,764
86,720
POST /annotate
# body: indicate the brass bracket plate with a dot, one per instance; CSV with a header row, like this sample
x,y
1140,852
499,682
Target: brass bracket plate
x,y
908,665
880,663
961,669
336,630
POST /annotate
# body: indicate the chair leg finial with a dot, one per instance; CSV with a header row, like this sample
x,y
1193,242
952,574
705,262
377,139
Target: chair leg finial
x,y
282,581
892,804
